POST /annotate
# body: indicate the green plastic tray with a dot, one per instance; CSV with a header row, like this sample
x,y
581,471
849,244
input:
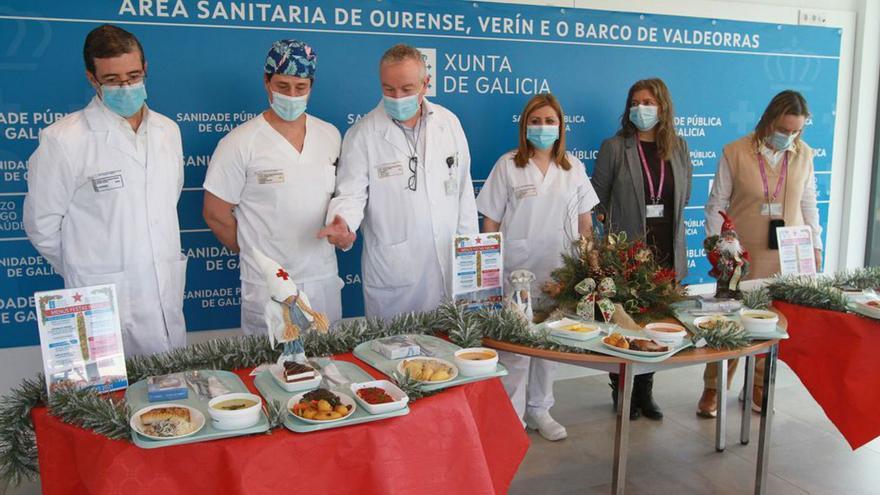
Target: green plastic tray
x,y
136,397
441,349
682,314
271,390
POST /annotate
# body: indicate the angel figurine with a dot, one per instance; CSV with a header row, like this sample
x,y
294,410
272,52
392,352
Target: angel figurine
x,y
520,298
288,312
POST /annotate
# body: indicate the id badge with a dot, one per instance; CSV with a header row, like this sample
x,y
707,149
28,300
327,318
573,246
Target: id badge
x,y
108,181
654,211
389,170
771,209
451,186
270,176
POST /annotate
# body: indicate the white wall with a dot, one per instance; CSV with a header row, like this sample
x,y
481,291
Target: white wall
x,y
860,69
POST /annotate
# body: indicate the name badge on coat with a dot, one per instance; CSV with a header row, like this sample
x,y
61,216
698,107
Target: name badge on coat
x,y
389,170
275,176
107,181
526,191
771,209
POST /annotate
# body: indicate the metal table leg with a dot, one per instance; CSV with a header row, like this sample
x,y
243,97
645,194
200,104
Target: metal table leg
x,y
621,437
766,419
721,417
746,425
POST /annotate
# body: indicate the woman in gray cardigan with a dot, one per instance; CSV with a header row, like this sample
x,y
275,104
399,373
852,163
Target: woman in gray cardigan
x,y
643,180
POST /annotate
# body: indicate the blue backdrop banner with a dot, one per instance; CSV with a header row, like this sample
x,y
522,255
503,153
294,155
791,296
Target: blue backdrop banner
x,y
486,60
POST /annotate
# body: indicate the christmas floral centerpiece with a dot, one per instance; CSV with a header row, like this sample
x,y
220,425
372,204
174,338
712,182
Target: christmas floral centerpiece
x,y
643,288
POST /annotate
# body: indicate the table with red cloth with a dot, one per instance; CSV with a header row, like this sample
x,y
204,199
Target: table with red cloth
x,y
834,355
466,439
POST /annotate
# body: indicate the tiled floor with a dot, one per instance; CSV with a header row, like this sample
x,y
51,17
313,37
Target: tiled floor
x,y
677,455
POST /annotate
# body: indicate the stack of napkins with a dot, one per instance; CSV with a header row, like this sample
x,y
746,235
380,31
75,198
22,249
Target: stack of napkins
x,y
166,387
397,347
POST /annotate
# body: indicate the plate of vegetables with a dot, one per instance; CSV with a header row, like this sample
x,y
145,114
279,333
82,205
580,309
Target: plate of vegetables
x,y
379,396
321,406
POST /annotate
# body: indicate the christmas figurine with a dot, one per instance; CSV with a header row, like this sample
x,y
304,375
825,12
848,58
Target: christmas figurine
x,y
288,312
730,261
520,298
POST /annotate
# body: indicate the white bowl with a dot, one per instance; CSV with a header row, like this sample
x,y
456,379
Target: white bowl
x,y
666,333
453,375
704,319
239,418
558,328
471,367
399,396
277,372
758,322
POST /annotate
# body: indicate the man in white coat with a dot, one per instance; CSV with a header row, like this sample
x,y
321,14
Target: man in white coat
x,y
102,196
277,173
404,177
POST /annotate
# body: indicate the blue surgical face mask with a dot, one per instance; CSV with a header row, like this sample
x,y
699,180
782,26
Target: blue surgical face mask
x,y
401,108
124,100
542,136
781,140
288,108
643,116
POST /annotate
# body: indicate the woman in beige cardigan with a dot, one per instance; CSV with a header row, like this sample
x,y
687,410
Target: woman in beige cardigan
x,y
764,177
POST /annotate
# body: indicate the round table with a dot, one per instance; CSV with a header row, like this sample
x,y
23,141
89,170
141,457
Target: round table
x,y
687,357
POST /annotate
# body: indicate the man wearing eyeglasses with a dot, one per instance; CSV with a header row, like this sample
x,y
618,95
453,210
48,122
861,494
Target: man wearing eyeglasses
x,y
404,178
102,196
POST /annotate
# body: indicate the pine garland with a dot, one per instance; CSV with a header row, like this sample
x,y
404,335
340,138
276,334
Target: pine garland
x,y
86,409
725,335
757,298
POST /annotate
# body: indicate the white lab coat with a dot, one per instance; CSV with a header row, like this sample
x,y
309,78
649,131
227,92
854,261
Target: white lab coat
x,y
281,197
103,210
408,235
539,219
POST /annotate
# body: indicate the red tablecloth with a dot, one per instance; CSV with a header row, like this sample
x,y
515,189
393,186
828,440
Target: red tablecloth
x,y
835,356
464,440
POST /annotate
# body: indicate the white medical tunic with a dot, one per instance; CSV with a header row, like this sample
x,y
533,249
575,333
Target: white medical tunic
x,y
281,197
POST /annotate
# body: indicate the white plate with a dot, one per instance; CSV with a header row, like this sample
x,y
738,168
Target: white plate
x,y
194,414
399,396
452,376
706,318
556,328
277,372
638,353
343,399
863,309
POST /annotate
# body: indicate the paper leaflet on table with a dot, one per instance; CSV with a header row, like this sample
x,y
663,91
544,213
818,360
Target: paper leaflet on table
x,y
478,271
796,252
81,338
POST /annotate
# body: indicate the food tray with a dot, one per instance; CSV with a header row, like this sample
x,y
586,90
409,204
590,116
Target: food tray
x,y
596,345
271,390
136,398
439,349
683,314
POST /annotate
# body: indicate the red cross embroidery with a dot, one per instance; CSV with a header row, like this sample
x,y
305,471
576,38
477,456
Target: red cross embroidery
x,y
478,240
77,297
282,274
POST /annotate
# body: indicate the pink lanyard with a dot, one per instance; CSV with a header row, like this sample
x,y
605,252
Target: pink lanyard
x,y
655,195
779,182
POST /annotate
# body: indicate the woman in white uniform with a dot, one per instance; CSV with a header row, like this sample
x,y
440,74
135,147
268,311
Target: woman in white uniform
x,y
540,198
268,186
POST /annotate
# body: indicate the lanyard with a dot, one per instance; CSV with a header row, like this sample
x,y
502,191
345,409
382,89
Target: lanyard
x,y
655,195
779,182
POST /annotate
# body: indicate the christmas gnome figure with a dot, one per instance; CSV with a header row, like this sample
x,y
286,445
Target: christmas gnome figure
x,y
730,261
288,312
520,298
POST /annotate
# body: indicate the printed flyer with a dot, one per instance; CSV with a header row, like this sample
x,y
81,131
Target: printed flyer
x,y
478,271
796,254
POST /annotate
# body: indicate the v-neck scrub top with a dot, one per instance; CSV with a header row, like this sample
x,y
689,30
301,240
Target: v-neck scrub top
x,y
281,195
538,213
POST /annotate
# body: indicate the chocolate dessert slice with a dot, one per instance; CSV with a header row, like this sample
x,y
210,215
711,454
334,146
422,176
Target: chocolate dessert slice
x,y
296,372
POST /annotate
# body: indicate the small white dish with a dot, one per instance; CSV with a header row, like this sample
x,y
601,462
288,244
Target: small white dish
x,y
343,399
452,375
758,321
702,321
476,367
400,398
666,333
559,329
196,418
237,419
277,372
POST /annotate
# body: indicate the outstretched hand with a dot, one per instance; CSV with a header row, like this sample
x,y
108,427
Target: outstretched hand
x,y
338,233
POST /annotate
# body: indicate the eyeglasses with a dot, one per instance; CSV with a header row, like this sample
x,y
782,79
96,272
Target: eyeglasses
x,y
413,167
132,80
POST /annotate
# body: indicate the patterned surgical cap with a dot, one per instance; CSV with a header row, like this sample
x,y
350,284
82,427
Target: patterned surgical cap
x,y
292,58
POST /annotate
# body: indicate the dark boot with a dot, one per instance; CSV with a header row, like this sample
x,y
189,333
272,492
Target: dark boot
x,y
633,407
643,396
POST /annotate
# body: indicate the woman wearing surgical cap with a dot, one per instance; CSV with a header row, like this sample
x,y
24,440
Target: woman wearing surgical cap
x,y
643,179
268,186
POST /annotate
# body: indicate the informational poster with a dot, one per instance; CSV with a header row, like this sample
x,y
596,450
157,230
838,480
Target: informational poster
x,y
486,60
81,338
478,271
796,253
